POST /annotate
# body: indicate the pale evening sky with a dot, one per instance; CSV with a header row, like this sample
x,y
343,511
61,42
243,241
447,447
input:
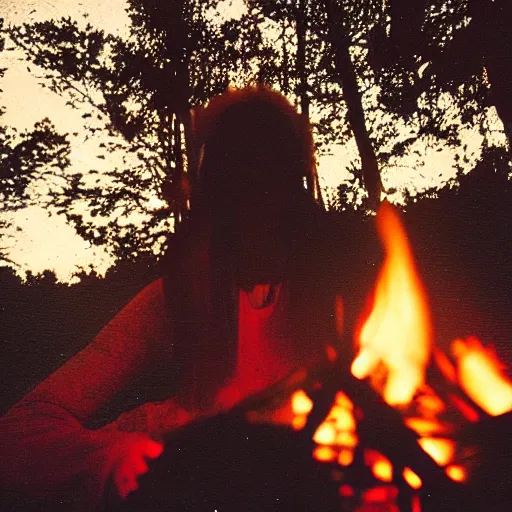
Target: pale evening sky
x,y
40,242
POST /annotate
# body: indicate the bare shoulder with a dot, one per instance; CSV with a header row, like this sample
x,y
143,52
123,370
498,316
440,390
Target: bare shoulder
x,y
149,301
125,348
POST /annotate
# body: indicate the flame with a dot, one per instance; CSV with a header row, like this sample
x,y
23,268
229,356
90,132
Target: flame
x,y
412,478
440,449
397,332
456,473
481,376
348,439
337,433
325,454
325,434
301,403
301,406
343,401
380,466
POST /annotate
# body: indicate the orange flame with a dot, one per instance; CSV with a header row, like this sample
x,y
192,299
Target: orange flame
x,y
397,332
380,466
301,403
336,435
440,449
481,376
456,473
412,478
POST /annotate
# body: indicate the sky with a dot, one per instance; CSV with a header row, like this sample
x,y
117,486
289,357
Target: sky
x,y
39,241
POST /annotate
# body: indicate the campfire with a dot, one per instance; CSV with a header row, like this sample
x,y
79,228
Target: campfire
x,y
446,402
403,427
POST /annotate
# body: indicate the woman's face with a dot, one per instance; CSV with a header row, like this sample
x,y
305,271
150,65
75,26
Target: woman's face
x,y
263,222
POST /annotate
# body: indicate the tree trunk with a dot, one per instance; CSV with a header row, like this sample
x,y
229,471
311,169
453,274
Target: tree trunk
x,y
301,24
301,60
183,174
491,23
351,94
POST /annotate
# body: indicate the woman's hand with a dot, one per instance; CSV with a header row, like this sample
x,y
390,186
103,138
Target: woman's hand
x,y
132,462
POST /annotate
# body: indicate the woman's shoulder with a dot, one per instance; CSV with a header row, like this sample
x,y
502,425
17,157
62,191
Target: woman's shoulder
x,y
149,301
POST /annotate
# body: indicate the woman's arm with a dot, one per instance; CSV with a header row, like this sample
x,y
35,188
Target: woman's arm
x,y
46,452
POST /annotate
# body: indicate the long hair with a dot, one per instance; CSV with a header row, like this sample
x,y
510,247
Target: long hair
x,y
245,137
248,123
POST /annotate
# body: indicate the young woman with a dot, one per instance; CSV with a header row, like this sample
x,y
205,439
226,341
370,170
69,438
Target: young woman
x,y
243,303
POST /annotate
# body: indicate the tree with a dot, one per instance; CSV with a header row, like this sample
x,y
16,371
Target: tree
x,y
323,76
423,51
339,35
28,159
140,90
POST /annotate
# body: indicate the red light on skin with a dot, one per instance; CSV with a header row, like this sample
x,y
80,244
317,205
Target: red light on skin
x,y
132,464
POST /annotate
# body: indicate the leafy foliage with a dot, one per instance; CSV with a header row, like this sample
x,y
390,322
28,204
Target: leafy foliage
x,y
405,74
430,59
140,89
27,159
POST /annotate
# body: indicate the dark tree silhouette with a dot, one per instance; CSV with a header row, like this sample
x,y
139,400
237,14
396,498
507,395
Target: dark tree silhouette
x,y
461,47
339,35
27,159
141,90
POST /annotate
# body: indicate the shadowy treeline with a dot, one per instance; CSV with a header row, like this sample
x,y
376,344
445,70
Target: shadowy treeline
x,y
461,240
43,323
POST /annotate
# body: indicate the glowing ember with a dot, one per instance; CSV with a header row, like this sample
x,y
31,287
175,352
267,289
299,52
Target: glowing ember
x,y
325,454
381,467
456,473
464,408
337,433
380,494
346,457
343,401
440,449
430,405
397,332
348,439
481,376
428,427
299,422
343,418
325,434
347,491
301,403
412,478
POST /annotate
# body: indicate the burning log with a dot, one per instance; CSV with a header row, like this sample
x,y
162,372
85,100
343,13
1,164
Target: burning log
x,y
433,435
229,463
